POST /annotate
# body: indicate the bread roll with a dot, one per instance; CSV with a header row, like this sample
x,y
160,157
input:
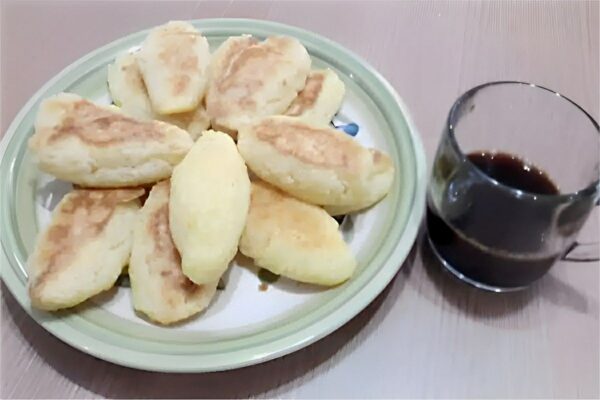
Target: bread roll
x,y
295,239
91,145
159,288
128,91
223,57
252,79
320,99
173,61
85,247
127,88
317,164
210,195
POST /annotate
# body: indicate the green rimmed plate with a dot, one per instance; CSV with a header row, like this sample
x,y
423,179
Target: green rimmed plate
x,y
244,325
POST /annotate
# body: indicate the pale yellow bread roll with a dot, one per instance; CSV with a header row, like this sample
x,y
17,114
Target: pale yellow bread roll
x,y
320,98
128,91
160,289
173,60
317,164
91,145
295,239
210,195
252,79
84,248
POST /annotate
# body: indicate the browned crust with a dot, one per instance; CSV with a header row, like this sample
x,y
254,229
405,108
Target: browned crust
x,y
241,54
307,96
316,146
236,62
100,127
164,248
81,217
132,73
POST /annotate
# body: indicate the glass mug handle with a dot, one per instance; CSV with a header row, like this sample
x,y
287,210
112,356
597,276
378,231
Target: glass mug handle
x,y
583,252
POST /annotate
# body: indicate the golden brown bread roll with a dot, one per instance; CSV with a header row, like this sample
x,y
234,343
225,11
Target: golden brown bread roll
x,y
320,98
159,288
317,164
250,79
173,60
91,145
85,247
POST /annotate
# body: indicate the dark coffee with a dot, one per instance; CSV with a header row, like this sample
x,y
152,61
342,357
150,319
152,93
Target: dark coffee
x,y
490,235
514,172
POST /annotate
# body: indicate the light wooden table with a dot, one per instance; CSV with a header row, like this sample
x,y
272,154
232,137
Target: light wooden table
x,y
427,335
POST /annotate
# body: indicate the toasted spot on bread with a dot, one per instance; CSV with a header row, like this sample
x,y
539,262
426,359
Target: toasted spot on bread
x,y
100,127
309,144
308,96
320,99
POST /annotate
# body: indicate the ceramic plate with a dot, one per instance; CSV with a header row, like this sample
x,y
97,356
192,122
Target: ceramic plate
x,y
244,325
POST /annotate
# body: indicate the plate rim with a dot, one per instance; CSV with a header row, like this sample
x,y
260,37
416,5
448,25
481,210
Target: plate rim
x,y
135,358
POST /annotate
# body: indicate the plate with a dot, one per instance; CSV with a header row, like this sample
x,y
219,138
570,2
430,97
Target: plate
x,y
244,325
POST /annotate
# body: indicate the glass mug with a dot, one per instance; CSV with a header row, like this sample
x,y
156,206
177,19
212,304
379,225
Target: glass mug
x,y
515,177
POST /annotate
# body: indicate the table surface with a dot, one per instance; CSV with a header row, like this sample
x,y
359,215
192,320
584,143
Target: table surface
x,y
426,335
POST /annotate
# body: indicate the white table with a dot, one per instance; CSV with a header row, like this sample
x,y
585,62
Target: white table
x,y
427,335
